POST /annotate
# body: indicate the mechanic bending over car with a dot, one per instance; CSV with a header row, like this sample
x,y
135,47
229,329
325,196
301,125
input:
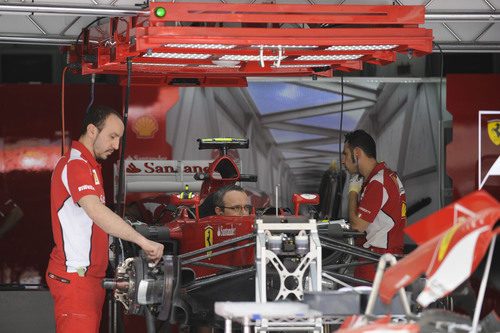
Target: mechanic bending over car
x,y
81,223
377,200
231,200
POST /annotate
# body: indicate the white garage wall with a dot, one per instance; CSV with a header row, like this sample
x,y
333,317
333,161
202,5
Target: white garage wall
x,y
228,112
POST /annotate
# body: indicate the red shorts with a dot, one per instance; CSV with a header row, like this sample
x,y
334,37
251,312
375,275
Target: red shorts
x,y
78,301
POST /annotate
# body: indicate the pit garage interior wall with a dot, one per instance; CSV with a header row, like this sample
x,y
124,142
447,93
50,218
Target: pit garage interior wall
x,y
405,123
229,112
30,145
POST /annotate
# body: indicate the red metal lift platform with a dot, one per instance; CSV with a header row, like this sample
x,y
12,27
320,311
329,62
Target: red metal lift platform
x,y
220,44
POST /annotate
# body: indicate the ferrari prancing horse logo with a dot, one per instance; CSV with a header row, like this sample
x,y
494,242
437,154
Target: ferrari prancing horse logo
x,y
209,238
494,131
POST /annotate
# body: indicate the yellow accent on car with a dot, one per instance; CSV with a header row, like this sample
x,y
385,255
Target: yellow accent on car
x,y
446,241
209,238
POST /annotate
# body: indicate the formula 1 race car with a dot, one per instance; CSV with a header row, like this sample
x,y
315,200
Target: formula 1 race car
x,y
264,258
211,258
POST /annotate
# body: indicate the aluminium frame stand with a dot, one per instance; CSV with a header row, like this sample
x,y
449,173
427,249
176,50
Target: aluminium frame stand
x,y
311,261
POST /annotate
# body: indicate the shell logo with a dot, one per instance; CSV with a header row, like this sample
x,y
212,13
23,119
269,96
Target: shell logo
x,y
145,127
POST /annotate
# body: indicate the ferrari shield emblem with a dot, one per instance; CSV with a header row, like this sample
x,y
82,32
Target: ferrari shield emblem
x,y
209,238
494,131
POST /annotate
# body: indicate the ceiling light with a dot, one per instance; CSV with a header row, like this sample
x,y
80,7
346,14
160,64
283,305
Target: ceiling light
x,y
359,47
201,46
249,57
329,57
157,64
177,55
286,46
302,65
217,66
226,63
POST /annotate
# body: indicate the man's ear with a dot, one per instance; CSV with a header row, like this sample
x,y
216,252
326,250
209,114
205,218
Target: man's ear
x,y
357,152
92,130
218,211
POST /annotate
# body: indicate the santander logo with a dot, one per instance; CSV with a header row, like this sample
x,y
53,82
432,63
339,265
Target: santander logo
x,y
131,168
164,167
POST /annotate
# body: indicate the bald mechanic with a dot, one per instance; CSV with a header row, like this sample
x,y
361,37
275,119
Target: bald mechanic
x,y
377,199
81,223
231,200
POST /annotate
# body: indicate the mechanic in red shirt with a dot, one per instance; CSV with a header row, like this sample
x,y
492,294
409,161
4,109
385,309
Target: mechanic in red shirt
x,y
81,223
377,200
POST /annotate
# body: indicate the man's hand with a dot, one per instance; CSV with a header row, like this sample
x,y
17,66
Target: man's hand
x,y
152,249
355,183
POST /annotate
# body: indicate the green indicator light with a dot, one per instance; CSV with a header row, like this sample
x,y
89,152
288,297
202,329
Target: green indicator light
x,y
160,12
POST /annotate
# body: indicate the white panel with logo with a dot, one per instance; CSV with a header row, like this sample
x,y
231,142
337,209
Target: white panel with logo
x,y
161,175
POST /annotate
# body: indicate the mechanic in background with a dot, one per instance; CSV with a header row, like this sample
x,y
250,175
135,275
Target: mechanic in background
x,y
10,213
81,223
231,200
377,200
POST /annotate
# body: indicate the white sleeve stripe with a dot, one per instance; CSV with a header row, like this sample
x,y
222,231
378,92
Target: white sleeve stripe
x,y
64,178
385,197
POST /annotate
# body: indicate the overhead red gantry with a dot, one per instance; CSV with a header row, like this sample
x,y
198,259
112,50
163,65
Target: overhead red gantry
x,y
220,44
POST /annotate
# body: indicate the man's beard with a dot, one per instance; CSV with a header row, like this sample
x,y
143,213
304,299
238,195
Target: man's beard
x,y
102,158
99,157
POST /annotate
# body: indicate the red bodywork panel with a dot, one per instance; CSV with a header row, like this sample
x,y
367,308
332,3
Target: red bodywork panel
x,y
447,249
304,199
403,328
439,222
213,184
212,230
355,324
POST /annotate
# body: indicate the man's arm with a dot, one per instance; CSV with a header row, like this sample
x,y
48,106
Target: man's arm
x,y
13,216
114,225
357,223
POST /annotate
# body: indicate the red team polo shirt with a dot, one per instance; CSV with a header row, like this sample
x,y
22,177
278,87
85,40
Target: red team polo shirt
x,y
383,204
80,243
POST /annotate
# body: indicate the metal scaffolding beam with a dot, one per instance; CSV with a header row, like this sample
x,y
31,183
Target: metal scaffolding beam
x,y
349,90
307,143
462,17
303,129
316,110
37,39
464,47
309,151
53,9
310,158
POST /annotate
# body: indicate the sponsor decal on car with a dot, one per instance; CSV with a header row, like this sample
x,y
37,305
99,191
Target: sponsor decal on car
x,y
224,232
